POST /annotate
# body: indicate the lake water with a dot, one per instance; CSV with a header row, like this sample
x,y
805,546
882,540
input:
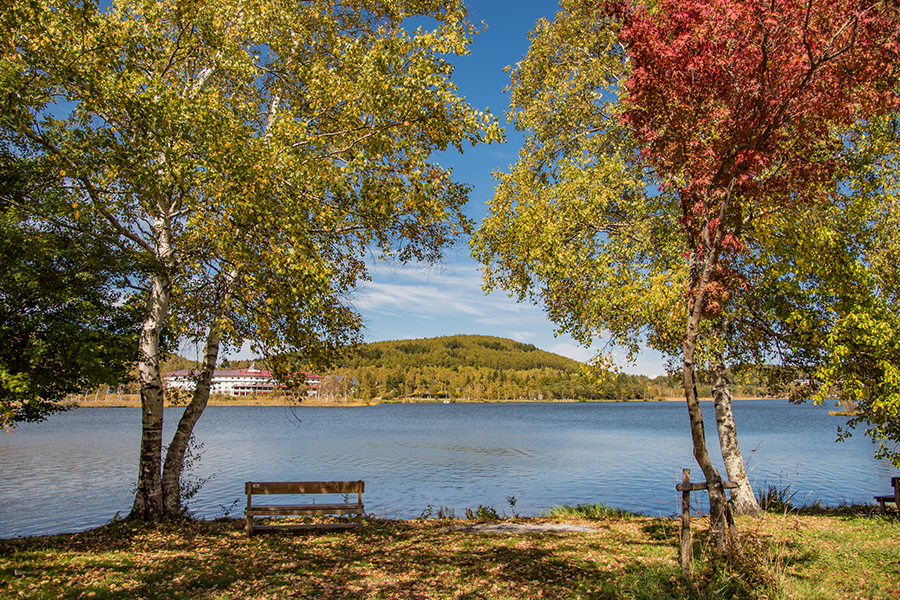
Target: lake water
x,y
78,469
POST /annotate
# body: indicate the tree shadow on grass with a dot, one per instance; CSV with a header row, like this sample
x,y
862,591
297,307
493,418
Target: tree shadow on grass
x,y
390,559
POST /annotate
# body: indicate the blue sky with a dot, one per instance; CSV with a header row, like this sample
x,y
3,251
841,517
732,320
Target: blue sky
x,y
415,302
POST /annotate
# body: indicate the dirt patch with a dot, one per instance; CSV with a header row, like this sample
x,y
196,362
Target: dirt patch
x,y
515,528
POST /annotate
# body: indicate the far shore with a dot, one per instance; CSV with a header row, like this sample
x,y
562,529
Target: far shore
x,y
133,400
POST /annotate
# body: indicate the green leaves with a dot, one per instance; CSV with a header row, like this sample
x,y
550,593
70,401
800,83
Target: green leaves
x,y
572,225
63,325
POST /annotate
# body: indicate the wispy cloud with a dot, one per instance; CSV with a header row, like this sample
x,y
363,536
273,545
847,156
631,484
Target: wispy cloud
x,y
425,301
440,294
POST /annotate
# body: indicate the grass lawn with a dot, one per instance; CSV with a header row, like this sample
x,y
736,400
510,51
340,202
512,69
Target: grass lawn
x,y
819,555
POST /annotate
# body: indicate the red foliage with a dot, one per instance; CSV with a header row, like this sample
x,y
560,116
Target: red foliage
x,y
730,89
746,95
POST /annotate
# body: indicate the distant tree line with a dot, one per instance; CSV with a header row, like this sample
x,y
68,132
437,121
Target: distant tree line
x,y
471,367
482,367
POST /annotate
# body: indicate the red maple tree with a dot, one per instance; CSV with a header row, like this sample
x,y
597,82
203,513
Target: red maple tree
x,y
742,106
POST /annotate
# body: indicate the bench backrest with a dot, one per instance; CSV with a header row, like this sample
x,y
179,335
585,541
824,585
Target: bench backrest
x,y
895,482
304,487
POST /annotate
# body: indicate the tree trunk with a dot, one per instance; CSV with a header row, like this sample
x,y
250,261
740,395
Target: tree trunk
x,y
743,498
148,504
174,464
704,258
698,435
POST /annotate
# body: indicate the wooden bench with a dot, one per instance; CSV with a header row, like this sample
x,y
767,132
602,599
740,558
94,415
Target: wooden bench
x,y
253,488
895,497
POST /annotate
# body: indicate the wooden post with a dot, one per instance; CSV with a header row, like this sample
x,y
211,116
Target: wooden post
x,y
248,489
686,487
686,549
359,503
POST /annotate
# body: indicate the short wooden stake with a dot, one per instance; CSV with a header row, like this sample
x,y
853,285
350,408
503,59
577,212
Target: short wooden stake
x,y
686,487
686,547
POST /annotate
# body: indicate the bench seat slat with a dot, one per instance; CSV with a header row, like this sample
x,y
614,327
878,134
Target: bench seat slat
x,y
306,511
336,506
306,526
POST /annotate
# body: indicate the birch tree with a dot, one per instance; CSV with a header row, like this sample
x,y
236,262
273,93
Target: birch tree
x,y
254,154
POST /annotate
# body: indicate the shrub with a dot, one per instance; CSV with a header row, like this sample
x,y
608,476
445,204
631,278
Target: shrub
x,y
588,511
482,512
776,499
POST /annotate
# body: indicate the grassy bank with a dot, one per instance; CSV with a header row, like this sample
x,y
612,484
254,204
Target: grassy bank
x,y
823,556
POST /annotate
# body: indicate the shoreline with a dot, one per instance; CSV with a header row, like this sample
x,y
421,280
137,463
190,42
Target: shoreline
x,y
133,401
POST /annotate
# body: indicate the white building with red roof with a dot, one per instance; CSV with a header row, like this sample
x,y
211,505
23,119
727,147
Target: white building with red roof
x,y
237,382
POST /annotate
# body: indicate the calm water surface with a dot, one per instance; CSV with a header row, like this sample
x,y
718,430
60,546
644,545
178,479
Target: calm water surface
x,y
78,469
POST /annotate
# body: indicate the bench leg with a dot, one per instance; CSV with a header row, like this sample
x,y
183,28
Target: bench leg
x,y
249,526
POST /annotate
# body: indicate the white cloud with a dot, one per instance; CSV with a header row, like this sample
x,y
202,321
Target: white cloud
x,y
410,302
425,301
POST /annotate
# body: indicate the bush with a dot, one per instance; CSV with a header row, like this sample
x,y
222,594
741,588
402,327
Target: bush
x,y
482,513
588,511
776,499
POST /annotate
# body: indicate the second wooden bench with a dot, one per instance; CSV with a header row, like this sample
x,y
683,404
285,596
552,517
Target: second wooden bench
x,y
345,488
895,497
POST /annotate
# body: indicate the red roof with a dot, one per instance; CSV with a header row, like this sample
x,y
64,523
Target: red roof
x,y
249,372
222,373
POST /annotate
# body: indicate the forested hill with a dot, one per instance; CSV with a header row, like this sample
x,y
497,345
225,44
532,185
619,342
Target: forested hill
x,y
480,351
472,367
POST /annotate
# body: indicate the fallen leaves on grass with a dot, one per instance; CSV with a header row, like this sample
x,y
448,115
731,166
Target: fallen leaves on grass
x,y
421,559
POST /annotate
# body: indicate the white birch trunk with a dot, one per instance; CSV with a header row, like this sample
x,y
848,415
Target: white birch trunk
x,y
743,499
148,504
174,463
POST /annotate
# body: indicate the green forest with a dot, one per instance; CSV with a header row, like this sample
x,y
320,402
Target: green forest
x,y
475,368
471,367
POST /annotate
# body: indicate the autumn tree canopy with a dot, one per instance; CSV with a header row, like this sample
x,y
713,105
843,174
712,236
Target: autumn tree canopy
x,y
734,110
252,154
